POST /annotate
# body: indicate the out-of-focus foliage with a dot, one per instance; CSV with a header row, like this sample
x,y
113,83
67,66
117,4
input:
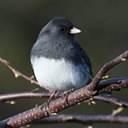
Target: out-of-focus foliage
x,y
104,25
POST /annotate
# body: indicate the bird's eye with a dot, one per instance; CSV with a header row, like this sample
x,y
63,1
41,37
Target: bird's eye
x,y
62,29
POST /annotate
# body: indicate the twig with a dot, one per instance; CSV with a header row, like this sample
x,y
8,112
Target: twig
x,y
84,119
61,103
22,95
16,72
121,58
111,100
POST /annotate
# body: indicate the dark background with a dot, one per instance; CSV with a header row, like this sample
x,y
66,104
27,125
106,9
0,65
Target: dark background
x,y
104,25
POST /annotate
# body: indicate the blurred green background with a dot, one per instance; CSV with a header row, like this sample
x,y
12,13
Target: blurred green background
x,y
104,25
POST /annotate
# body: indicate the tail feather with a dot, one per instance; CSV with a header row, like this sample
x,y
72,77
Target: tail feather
x,y
115,80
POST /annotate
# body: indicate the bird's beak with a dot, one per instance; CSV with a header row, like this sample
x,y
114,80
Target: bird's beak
x,y
75,30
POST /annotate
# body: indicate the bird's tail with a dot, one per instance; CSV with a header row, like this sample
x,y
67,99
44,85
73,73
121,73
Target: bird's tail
x,y
104,83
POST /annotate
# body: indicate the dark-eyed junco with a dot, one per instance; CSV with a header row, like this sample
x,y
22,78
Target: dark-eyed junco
x,y
58,61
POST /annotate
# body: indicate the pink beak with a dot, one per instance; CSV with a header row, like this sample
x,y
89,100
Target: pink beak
x,y
75,30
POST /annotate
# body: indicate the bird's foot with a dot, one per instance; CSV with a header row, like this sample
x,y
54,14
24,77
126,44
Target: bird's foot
x,y
66,93
54,95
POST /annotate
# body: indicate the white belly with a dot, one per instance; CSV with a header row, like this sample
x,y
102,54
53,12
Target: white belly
x,y
59,74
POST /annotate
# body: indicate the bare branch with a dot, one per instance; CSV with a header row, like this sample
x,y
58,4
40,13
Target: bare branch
x,y
121,58
84,119
16,72
111,100
22,95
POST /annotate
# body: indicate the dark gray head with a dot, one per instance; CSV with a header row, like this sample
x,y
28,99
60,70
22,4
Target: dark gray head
x,y
59,26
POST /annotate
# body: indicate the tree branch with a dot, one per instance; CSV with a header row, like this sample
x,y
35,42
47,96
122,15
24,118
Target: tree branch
x,y
111,100
121,58
22,95
84,119
17,73
61,103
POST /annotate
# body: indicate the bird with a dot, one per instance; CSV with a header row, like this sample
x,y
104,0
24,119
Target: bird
x,y
58,61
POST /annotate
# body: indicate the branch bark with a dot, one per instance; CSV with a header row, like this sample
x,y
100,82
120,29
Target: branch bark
x,y
84,119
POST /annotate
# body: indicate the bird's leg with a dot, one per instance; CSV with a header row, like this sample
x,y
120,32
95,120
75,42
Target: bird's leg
x,y
53,95
66,93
